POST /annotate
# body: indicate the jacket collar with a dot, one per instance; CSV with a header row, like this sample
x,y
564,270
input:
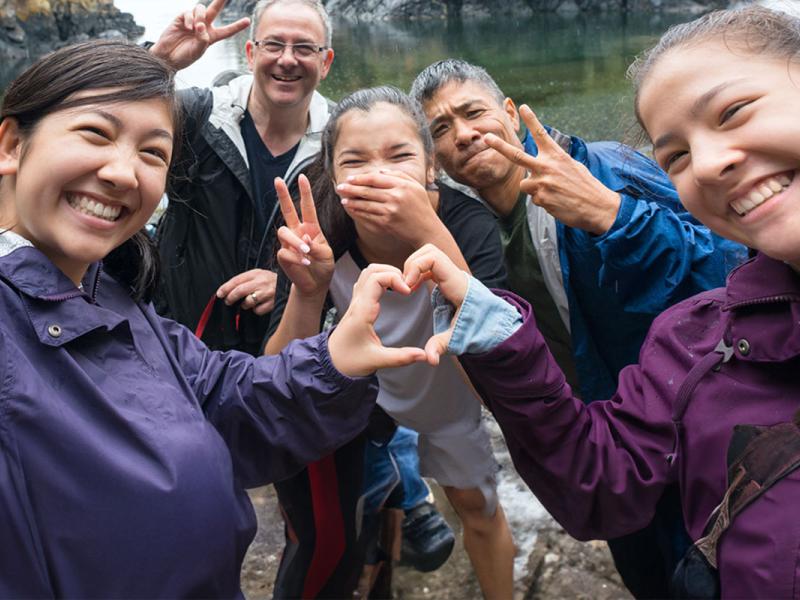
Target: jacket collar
x,y
762,280
57,309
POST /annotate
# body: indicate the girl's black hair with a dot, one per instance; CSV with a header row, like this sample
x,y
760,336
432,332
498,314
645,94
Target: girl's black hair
x,y
128,73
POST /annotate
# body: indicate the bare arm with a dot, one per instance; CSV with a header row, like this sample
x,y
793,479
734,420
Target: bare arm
x,y
307,260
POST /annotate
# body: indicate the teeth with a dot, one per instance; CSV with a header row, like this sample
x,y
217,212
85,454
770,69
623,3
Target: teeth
x,y
760,194
93,208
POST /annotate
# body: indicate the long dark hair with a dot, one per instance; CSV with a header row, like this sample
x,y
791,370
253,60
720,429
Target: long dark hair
x,y
129,73
336,224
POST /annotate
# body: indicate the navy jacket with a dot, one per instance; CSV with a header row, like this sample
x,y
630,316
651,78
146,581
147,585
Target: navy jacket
x,y
126,445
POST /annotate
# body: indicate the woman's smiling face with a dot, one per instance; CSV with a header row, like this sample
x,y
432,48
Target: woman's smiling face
x,y
86,179
725,127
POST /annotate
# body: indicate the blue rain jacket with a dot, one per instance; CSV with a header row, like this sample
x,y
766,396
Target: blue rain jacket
x,y
126,445
655,255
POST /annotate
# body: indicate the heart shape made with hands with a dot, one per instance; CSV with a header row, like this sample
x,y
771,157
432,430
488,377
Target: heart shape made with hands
x,y
354,345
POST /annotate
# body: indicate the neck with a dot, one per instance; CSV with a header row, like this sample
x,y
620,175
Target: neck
x,y
503,195
280,127
377,247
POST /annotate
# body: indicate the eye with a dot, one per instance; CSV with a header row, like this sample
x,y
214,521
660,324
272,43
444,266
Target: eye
x,y
160,154
729,112
351,163
672,160
304,50
439,130
403,156
474,113
95,131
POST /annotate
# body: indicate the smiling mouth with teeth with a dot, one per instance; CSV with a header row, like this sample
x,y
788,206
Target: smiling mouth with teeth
x,y
91,207
760,194
286,78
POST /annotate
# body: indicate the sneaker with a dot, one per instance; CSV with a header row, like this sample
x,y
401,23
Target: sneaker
x,y
427,538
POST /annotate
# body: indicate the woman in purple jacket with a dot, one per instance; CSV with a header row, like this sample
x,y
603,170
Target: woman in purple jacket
x,y
125,444
719,98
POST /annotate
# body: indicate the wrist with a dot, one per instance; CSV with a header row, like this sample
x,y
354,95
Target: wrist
x,y
312,298
605,218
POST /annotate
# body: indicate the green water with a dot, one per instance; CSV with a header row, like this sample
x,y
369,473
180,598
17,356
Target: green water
x,y
571,70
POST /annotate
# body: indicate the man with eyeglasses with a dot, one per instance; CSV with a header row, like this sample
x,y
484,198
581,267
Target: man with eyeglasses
x,y
217,237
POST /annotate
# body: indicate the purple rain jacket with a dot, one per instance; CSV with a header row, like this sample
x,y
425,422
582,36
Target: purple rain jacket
x,y
126,445
600,468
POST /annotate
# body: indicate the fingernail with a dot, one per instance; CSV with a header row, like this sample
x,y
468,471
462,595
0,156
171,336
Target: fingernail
x,y
344,200
305,248
219,293
350,178
306,262
340,186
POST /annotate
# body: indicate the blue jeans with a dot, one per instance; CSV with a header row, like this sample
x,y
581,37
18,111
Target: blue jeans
x,y
386,465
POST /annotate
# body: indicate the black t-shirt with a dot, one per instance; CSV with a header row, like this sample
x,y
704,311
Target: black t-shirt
x,y
474,229
264,168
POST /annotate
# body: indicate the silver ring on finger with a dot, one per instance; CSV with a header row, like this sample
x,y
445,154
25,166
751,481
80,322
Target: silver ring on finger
x,y
254,297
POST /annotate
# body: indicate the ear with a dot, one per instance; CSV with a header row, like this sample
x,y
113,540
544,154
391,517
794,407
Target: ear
x,y
10,146
430,175
511,110
327,61
250,53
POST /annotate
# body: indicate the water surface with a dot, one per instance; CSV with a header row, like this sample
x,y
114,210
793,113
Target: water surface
x,y
570,69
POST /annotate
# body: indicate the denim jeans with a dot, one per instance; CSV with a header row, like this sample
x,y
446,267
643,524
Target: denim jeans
x,y
386,465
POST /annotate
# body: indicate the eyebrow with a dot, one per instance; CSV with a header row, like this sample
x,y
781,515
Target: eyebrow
x,y
117,122
358,152
464,106
698,106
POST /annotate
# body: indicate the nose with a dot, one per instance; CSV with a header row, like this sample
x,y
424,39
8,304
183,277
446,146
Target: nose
x,y
464,133
119,170
713,160
287,56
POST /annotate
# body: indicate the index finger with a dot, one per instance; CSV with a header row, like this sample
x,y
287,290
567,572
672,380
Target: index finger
x,y
539,134
515,154
307,209
287,206
213,9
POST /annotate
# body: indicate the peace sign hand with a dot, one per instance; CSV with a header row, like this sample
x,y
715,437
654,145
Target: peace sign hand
x,y
558,183
305,255
190,34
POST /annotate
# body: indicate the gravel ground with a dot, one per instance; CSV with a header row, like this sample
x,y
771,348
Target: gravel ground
x,y
549,563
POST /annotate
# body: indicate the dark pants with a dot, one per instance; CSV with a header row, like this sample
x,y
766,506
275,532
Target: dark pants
x,y
646,559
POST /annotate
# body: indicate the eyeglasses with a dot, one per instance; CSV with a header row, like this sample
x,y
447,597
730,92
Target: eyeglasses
x,y
276,48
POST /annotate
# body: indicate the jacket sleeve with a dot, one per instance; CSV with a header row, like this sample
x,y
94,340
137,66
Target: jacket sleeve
x,y
23,568
600,468
276,413
655,253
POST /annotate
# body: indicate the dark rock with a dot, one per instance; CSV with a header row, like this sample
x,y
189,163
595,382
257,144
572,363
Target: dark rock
x,y
32,28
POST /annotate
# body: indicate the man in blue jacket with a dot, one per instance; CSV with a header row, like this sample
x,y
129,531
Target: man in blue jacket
x,y
595,239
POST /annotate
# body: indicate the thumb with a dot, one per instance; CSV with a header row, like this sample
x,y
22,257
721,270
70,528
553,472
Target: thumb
x,y
436,346
400,357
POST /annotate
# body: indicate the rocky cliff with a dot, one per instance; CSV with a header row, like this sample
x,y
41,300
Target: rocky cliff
x,y
437,9
30,27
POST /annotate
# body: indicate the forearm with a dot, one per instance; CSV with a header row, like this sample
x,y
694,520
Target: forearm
x,y
441,237
301,319
598,469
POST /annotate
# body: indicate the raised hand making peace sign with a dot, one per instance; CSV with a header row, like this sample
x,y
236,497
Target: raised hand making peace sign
x,y
190,34
561,185
305,255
